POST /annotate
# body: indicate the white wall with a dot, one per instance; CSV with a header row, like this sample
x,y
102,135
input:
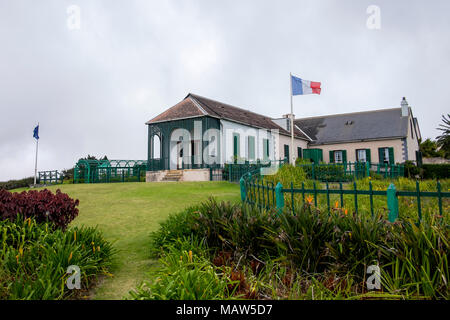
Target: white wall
x,y
287,140
228,128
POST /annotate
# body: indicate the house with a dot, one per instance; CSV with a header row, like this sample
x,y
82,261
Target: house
x,y
198,133
379,136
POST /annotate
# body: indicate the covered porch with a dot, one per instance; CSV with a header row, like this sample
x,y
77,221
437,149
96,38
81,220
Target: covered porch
x,y
180,144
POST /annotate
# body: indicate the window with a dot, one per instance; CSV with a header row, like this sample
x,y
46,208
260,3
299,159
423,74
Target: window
x,y
338,157
266,149
361,155
412,129
235,146
286,152
251,148
299,152
386,155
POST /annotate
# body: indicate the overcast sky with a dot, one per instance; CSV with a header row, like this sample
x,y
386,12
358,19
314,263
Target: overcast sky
x,y
92,88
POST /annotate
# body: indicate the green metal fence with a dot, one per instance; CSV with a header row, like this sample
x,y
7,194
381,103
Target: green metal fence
x,y
108,171
50,177
265,195
233,172
350,171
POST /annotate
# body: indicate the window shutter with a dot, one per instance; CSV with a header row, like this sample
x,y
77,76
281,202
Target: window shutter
x,y
251,148
344,155
265,149
391,156
236,144
368,158
331,156
299,152
381,155
286,152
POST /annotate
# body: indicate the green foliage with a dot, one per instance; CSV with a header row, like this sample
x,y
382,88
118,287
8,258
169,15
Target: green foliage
x,y
14,184
436,171
443,141
34,259
185,276
411,170
291,254
429,149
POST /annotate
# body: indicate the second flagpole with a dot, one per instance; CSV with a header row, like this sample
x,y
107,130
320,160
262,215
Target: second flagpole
x,y
291,154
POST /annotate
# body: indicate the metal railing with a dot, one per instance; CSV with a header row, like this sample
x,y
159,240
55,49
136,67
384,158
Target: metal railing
x,y
265,195
50,177
350,171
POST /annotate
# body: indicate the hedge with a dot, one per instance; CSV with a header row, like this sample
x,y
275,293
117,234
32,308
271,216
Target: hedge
x,y
433,171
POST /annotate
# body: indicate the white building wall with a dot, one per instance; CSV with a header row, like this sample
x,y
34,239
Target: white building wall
x,y
287,140
228,128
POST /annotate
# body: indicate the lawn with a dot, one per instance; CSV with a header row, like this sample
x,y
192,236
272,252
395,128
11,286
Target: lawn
x,y
127,213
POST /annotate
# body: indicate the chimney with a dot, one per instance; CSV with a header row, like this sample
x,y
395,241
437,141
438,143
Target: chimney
x,y
405,107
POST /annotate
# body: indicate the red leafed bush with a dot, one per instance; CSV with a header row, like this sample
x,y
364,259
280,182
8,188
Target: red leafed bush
x,y
43,205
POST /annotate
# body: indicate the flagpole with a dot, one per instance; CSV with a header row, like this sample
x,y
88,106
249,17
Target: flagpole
x,y
292,124
35,163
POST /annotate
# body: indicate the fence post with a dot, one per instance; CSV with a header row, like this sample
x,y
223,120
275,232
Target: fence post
x,y
392,202
243,192
312,172
279,197
367,169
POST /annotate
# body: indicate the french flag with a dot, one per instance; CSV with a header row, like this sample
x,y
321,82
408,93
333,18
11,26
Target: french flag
x,y
301,86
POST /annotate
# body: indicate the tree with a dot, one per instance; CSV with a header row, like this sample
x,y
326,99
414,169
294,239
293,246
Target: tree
x,y
429,149
443,141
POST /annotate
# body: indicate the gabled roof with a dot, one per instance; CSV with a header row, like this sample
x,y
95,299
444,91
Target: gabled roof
x,y
195,106
357,126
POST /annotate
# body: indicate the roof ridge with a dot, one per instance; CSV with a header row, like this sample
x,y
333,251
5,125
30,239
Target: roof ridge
x,y
347,114
230,105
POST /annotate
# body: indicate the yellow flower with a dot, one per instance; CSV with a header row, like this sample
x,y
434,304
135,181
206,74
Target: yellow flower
x,y
21,251
309,199
336,205
350,234
17,258
70,257
190,256
346,211
98,248
75,236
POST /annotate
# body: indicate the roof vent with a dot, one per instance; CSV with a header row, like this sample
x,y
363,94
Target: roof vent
x,y
348,123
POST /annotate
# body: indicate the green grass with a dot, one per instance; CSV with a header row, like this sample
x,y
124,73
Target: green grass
x,y
127,212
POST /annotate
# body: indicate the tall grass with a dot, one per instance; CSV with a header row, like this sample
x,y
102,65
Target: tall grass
x,y
288,255
34,258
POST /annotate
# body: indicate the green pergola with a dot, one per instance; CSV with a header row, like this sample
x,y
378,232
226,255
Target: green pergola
x,y
107,171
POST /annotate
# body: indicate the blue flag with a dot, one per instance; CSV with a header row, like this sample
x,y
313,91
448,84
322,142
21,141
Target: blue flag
x,y
36,133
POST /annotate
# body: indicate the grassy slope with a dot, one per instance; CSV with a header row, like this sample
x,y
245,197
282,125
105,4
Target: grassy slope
x,y
128,212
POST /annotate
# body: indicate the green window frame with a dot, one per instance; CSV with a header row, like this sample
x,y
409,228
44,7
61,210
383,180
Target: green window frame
x,y
251,147
286,152
386,155
299,152
236,146
265,149
333,154
366,153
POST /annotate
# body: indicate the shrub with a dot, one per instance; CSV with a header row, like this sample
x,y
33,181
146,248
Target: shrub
x,y
185,276
14,184
34,259
436,171
318,244
43,205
